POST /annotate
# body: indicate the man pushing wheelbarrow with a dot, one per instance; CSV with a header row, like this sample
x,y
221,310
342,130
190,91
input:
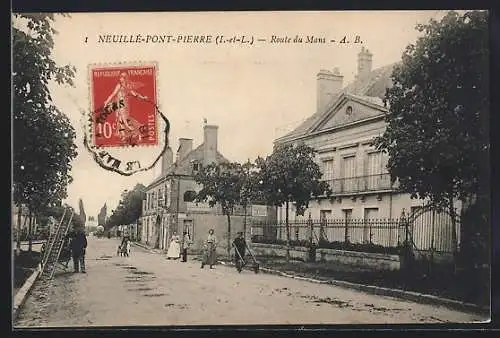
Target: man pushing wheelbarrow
x,y
240,249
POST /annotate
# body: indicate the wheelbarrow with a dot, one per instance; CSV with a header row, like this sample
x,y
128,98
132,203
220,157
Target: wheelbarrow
x,y
241,262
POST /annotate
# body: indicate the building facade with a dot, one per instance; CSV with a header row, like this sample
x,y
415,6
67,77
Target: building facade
x,y
165,208
341,131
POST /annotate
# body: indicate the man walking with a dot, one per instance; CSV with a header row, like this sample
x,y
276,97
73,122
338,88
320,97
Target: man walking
x,y
78,246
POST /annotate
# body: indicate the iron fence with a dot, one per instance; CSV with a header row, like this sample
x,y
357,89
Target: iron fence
x,y
426,233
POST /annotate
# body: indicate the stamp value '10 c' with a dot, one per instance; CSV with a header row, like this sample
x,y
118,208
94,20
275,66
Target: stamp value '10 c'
x,y
124,105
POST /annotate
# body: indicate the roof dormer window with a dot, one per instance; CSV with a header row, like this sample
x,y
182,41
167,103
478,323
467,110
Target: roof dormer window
x,y
348,111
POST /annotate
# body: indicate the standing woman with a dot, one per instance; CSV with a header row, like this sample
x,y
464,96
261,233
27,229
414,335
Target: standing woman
x,y
174,250
211,244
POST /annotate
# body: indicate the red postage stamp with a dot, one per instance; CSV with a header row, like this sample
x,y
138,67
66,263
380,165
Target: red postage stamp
x,y
124,105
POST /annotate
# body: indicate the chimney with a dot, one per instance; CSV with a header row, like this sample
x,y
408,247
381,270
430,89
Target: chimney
x,y
209,144
328,84
185,146
364,62
167,160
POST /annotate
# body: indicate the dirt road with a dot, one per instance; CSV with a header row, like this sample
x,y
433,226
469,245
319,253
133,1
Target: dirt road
x,y
148,289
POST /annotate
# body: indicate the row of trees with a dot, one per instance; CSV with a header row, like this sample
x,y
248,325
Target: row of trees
x,y
43,137
289,175
129,207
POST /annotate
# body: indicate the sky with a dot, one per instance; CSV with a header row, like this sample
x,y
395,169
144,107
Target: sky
x,y
253,93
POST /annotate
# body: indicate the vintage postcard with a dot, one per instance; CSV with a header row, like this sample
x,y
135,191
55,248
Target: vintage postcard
x,y
250,168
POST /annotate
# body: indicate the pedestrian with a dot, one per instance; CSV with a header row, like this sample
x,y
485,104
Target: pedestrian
x,y
174,249
186,243
128,247
78,247
210,246
65,256
240,247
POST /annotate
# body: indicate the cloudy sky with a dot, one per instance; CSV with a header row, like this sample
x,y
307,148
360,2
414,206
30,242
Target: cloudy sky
x,y
253,93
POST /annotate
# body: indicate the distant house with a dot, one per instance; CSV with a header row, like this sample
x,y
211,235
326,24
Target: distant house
x,y
346,120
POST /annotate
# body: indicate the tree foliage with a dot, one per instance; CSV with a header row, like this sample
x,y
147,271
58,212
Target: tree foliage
x,y
437,131
290,174
129,208
43,136
222,184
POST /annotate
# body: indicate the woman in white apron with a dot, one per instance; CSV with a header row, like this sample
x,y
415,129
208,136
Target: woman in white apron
x,y
174,250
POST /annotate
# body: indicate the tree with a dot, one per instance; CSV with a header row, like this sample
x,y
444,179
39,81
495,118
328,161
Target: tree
x,y
82,213
222,184
437,125
43,136
101,217
290,175
250,190
129,208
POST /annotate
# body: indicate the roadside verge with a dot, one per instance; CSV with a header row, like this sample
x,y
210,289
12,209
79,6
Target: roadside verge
x,y
24,291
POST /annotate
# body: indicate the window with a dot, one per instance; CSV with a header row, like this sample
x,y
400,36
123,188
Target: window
x,y
348,110
347,214
349,172
328,169
374,163
161,197
196,166
373,170
370,214
189,196
349,166
325,214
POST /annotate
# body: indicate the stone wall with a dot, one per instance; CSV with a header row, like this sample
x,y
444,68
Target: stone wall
x,y
360,259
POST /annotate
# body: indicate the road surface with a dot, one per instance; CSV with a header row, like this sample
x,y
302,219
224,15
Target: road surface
x,y
148,289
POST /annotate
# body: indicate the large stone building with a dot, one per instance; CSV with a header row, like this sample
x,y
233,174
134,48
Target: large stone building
x,y
347,119
169,207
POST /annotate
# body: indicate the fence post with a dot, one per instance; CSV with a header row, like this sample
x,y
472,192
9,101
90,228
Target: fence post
x,y
310,223
346,231
312,247
371,231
